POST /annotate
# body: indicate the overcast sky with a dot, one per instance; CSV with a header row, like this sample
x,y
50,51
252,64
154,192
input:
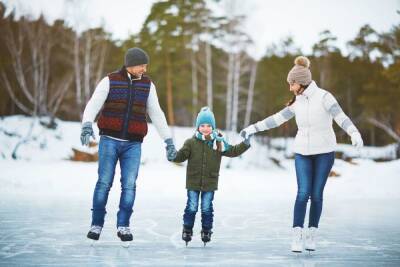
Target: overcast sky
x,y
267,21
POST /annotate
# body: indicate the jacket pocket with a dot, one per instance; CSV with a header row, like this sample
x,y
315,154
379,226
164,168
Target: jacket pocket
x,y
193,173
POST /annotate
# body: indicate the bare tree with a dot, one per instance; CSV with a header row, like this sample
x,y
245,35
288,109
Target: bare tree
x,y
229,91
29,44
384,125
87,65
209,75
77,71
89,48
250,95
235,42
235,95
168,77
195,85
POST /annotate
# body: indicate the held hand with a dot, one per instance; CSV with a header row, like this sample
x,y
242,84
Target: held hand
x,y
356,140
86,133
170,149
247,140
248,131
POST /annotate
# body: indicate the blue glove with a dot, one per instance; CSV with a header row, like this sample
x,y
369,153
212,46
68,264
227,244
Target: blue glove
x,y
171,151
86,133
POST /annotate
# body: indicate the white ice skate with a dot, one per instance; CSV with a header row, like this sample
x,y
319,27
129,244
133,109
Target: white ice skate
x,y
310,239
297,240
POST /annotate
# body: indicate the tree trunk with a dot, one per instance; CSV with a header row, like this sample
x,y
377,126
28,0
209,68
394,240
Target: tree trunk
x,y
236,88
228,115
349,100
77,70
373,136
13,97
195,86
170,107
386,127
86,68
249,104
15,45
100,63
209,76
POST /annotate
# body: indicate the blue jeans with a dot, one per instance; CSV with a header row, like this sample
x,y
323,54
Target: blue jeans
x,y
110,151
312,173
192,205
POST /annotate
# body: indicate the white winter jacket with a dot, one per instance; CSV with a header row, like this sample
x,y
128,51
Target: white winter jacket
x,y
314,110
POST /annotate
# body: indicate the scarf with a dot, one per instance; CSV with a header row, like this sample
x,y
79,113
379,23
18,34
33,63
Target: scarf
x,y
215,140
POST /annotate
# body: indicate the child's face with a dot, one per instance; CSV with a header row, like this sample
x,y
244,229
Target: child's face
x,y
205,129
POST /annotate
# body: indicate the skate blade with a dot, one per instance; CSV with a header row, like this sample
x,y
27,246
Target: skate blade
x,y
296,251
125,244
93,242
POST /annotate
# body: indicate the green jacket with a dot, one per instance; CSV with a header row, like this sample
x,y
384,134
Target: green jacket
x,y
204,162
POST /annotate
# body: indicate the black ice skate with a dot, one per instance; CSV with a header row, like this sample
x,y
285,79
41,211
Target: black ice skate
x,y
94,232
125,235
206,236
187,234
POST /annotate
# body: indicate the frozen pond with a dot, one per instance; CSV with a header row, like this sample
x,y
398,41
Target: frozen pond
x,y
45,215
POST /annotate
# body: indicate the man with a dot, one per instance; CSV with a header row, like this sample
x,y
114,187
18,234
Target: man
x,y
126,96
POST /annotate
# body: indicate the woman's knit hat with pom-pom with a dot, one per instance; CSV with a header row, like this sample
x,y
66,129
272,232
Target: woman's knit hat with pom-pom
x,y
300,73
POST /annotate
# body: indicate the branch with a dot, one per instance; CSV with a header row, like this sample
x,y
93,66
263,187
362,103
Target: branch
x,y
384,127
60,94
15,50
12,95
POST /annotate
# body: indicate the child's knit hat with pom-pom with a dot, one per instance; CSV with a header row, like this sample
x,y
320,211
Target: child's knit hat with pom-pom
x,y
205,116
300,73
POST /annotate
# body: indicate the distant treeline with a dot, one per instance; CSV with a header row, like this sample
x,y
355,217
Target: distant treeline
x,y
198,59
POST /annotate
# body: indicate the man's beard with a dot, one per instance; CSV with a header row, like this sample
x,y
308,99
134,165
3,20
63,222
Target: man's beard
x,y
136,76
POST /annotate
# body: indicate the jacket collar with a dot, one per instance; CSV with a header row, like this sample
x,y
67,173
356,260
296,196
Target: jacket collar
x,y
124,72
311,89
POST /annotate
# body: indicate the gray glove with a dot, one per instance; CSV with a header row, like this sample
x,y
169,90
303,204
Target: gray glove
x,y
86,133
248,131
247,140
171,151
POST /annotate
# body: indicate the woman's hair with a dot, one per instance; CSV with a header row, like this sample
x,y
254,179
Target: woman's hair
x,y
302,88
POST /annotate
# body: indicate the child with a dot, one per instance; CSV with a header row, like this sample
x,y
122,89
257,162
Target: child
x,y
203,152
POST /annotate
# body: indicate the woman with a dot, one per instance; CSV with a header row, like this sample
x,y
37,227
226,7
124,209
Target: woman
x,y
314,146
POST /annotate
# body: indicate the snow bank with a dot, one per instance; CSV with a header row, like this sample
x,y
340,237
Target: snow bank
x,y
39,143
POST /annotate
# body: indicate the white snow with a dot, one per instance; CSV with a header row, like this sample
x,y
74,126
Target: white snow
x,y
45,202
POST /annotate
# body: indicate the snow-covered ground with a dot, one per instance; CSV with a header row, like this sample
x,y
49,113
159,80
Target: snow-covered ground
x,y
45,202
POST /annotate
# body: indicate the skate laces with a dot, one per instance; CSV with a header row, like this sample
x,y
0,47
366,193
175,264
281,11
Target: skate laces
x,y
124,230
207,232
96,229
297,234
311,235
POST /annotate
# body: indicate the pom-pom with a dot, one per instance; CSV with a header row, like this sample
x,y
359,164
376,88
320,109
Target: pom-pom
x,y
302,61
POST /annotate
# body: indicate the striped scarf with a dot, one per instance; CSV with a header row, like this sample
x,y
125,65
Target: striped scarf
x,y
215,140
